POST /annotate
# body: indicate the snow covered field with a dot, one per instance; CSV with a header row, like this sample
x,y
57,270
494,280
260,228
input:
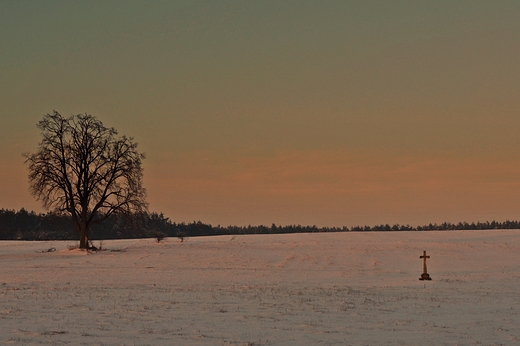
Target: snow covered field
x,y
300,289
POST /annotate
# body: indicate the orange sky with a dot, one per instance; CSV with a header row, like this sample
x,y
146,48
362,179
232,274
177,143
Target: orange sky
x,y
320,112
337,188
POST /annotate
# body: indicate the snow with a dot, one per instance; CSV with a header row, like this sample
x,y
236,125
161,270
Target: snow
x,y
298,289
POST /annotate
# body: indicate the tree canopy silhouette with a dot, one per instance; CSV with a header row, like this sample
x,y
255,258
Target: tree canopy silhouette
x,y
85,169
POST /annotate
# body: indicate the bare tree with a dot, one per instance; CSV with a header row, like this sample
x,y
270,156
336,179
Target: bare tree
x,y
84,168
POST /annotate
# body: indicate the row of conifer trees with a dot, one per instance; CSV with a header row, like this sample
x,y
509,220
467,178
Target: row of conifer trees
x,y
25,225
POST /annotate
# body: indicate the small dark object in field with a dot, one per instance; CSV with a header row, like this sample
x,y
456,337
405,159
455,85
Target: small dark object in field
x,y
181,235
52,249
118,250
159,236
53,332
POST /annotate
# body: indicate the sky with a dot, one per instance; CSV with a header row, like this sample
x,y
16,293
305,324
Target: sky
x,y
328,113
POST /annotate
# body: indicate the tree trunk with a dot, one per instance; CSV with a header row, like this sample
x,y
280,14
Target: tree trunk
x,y
83,236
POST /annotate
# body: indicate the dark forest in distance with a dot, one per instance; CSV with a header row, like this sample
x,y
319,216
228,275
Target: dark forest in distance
x,y
25,225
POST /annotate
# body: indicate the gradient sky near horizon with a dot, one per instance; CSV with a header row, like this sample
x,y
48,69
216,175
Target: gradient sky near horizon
x,y
325,113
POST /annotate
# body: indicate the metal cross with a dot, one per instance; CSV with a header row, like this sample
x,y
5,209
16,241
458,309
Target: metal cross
x,y
424,275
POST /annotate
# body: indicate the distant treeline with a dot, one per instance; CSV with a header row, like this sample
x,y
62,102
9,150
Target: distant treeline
x,y
25,225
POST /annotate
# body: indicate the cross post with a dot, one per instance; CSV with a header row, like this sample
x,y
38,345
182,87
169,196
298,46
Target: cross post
x,y
424,275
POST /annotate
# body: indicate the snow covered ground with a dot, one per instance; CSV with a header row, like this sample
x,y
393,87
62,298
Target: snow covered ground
x,y
299,289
